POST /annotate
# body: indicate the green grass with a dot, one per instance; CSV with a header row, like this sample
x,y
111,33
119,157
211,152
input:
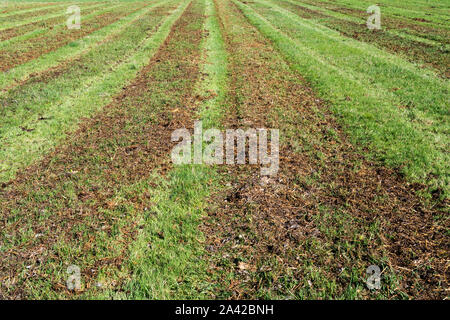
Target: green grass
x,y
170,268
345,17
131,203
150,221
34,10
164,260
438,16
9,43
405,128
21,73
79,93
14,22
216,68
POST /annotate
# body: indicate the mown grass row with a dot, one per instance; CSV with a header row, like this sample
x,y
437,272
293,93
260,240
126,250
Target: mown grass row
x,y
412,12
423,51
20,37
36,8
55,38
172,267
386,102
78,244
36,115
31,17
52,59
386,26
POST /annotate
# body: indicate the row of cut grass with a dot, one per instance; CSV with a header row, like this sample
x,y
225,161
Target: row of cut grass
x,y
304,269
349,18
431,16
35,116
26,9
132,204
406,129
171,268
52,59
417,88
58,37
12,32
92,13
20,20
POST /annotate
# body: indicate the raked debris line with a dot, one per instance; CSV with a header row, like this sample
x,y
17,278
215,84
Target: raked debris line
x,y
16,75
97,93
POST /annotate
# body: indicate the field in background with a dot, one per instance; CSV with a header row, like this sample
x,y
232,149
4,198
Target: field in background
x,y
86,179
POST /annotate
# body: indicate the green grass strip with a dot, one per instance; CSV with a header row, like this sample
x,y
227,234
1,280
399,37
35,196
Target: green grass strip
x,y
371,117
21,73
215,67
34,10
34,33
173,268
420,88
352,19
435,18
15,24
25,147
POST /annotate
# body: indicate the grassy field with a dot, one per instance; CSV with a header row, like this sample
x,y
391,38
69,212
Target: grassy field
x,y
86,176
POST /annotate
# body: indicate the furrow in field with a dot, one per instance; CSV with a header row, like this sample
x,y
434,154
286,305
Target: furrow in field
x,y
20,20
394,25
415,49
420,17
58,37
64,55
25,31
181,200
39,30
33,9
311,231
390,27
419,5
36,114
408,128
10,8
417,88
111,160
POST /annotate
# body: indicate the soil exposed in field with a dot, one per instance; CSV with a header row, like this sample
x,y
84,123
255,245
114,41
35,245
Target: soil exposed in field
x,y
308,232
415,51
16,8
328,214
48,43
120,146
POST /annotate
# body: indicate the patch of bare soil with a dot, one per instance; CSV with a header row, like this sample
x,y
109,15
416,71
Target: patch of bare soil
x,y
15,32
50,42
311,231
120,146
47,23
11,9
414,51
